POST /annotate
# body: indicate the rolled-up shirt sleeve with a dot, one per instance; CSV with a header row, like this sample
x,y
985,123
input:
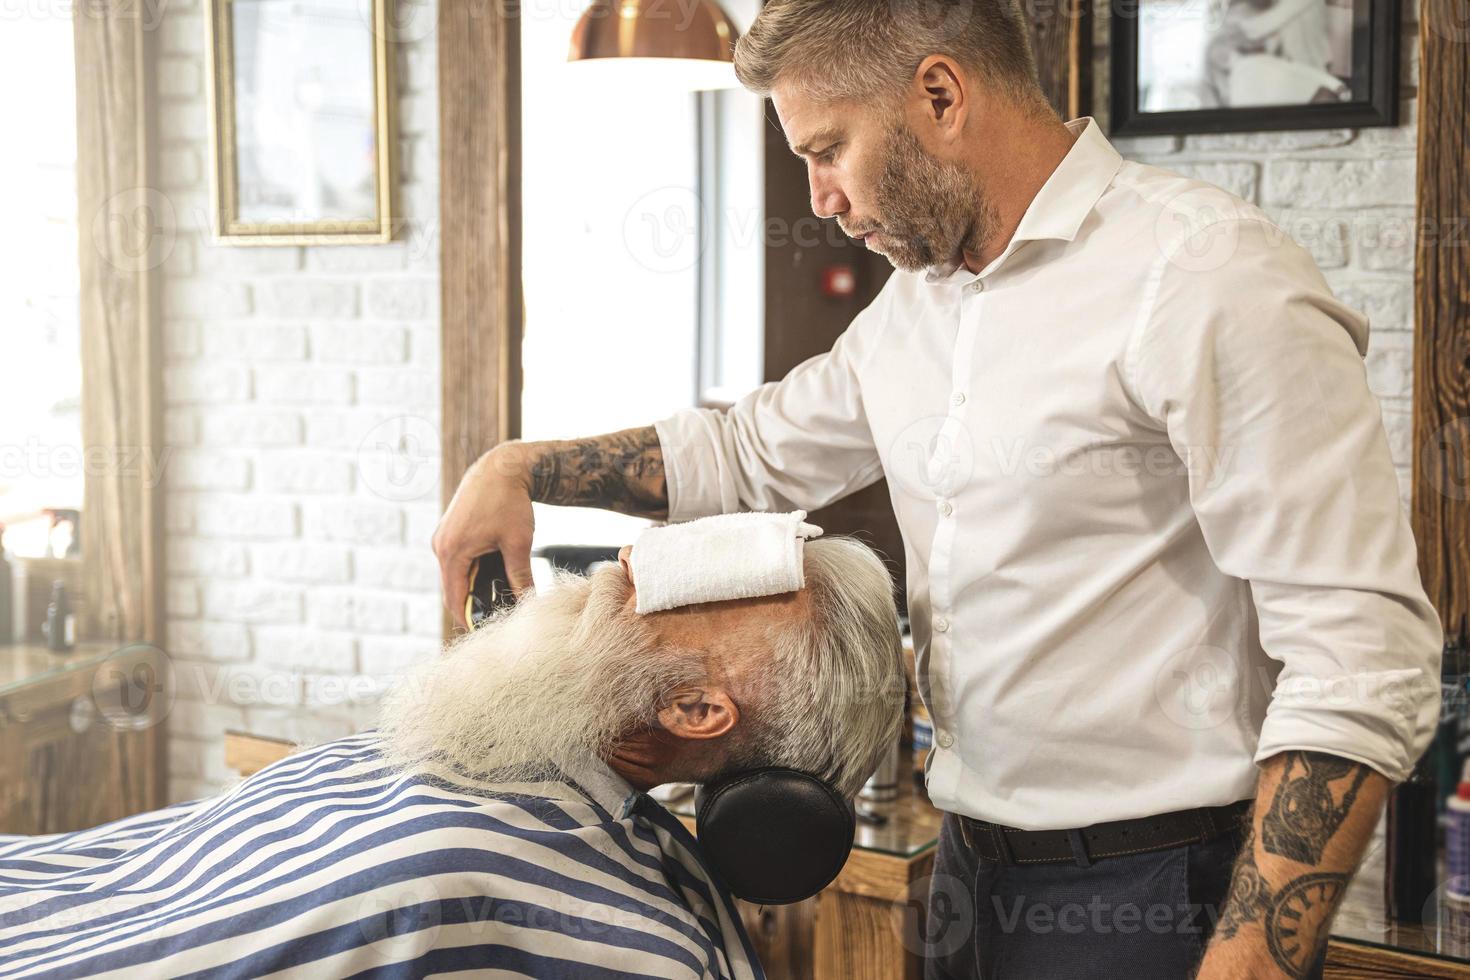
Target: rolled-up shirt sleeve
x,y
1256,372
798,443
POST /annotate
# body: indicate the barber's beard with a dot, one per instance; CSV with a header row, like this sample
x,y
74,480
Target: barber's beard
x,y
931,211
549,685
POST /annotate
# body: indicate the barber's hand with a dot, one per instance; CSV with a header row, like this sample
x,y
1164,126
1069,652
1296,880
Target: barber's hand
x,y
490,511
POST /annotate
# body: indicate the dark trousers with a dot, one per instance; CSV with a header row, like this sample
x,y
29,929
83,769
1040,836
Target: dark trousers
x,y
1138,916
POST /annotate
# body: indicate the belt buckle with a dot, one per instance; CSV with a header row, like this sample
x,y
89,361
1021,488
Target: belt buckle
x,y
1002,846
965,834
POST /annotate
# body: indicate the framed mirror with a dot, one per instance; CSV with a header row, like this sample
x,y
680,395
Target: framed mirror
x,y
301,122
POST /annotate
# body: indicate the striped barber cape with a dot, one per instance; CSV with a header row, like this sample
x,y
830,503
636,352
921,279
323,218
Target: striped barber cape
x,y
329,864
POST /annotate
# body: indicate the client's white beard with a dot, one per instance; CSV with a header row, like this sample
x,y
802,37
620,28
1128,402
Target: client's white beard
x,y
550,684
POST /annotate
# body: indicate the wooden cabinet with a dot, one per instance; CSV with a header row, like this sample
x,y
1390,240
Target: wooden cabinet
x,y
80,736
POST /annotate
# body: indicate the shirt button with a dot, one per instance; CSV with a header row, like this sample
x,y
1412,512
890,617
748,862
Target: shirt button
x,y
946,508
958,398
978,286
941,625
945,739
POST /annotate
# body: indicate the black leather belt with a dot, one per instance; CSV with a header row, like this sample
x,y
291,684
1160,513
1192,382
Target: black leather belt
x,y
1007,845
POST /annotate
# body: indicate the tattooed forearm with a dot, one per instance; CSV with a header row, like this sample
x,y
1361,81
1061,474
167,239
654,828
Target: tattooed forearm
x,y
623,471
1313,817
1249,897
1314,797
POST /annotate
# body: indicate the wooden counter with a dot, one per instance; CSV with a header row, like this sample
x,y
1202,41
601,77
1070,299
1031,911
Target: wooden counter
x,y
80,735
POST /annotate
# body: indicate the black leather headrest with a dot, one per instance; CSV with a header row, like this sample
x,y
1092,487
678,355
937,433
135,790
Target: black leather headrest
x,y
775,836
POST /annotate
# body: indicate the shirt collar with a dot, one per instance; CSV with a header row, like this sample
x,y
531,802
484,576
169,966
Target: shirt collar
x,y
599,783
1065,200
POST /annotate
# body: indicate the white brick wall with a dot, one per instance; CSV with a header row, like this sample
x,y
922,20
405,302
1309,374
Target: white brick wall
x,y
1347,196
294,585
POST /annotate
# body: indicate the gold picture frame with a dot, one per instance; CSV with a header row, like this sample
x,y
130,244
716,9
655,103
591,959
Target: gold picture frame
x,y
269,214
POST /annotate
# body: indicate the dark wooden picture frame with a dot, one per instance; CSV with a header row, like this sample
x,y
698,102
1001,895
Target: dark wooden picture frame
x,y
1375,102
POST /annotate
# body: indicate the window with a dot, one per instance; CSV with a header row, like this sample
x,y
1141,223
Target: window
x,y
40,398
641,251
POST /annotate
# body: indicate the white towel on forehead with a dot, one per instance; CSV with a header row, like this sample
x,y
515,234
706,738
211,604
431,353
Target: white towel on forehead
x,y
714,559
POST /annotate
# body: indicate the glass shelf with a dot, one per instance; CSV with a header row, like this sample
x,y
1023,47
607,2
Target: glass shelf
x,y
26,663
1363,917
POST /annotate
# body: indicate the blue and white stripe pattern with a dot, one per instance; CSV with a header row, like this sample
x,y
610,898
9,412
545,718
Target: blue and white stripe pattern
x,y
330,864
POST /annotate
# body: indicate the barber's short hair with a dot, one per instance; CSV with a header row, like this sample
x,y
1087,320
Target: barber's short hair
x,y
869,50
833,702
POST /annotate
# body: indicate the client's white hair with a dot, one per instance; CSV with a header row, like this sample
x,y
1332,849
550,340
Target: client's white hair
x,y
833,703
567,673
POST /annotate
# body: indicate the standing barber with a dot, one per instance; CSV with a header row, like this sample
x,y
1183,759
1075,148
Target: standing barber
x,y
1157,561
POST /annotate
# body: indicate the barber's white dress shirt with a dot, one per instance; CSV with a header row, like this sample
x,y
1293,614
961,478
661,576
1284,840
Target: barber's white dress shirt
x,y
1152,525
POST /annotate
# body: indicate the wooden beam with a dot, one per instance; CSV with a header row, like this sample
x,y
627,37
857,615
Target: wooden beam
x,y
125,231
1441,507
1061,40
480,232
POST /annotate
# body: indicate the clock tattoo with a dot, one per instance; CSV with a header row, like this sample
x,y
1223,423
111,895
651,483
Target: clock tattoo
x,y
1299,913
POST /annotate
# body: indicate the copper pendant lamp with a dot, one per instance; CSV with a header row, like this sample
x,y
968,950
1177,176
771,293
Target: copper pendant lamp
x,y
657,43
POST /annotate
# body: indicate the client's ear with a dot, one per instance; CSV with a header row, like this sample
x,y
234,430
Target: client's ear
x,y
695,713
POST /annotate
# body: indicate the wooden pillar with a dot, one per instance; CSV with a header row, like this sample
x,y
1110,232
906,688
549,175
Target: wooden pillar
x,y
1061,39
126,230
480,232
1441,507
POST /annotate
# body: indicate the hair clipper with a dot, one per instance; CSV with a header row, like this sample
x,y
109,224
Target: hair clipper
x,y
490,589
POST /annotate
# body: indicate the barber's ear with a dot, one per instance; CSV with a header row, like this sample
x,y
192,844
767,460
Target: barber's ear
x,y
693,713
942,93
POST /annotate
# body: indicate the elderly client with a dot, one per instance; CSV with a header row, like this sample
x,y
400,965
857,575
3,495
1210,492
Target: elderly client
x,y
497,821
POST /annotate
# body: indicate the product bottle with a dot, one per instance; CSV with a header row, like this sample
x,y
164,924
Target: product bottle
x,y
1410,876
1457,840
7,614
1454,717
60,621
923,739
